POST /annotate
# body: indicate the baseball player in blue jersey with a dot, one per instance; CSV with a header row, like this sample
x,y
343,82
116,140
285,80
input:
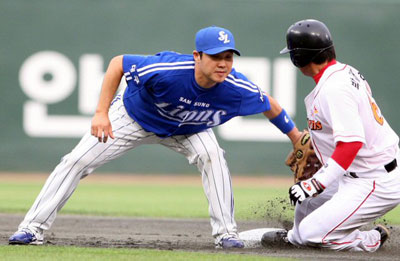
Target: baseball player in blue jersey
x,y
174,100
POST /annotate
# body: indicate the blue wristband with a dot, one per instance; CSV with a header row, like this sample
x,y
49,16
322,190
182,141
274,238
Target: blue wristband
x,y
283,122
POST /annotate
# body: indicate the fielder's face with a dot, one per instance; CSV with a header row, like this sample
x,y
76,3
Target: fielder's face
x,y
212,69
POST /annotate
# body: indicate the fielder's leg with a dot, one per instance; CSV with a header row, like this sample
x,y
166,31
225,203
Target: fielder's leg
x,y
203,150
83,159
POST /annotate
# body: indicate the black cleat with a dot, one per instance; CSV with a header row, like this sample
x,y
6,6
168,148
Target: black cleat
x,y
384,231
275,238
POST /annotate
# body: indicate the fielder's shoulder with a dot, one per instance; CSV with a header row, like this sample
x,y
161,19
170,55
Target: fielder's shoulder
x,y
239,82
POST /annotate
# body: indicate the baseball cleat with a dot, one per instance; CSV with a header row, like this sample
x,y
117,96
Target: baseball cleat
x,y
230,241
274,238
384,231
25,237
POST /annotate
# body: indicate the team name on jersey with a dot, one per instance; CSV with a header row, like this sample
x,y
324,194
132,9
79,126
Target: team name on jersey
x,y
187,101
202,104
190,117
196,104
314,125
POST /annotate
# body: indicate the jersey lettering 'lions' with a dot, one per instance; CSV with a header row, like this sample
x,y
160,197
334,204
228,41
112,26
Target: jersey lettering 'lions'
x,y
163,96
194,117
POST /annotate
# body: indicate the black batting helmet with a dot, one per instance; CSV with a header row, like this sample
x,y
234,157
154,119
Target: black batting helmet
x,y
305,40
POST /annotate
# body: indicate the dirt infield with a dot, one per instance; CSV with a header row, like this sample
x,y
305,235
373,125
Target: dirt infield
x,y
170,234
173,234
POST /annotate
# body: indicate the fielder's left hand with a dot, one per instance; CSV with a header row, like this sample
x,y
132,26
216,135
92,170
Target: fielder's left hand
x,y
304,189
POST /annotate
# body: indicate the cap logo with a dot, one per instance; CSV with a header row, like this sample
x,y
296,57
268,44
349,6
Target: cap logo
x,y
223,37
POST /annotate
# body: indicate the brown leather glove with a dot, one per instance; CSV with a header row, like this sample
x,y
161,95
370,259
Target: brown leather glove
x,y
302,160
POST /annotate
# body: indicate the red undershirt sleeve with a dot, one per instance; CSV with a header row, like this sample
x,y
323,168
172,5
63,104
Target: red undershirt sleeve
x,y
345,153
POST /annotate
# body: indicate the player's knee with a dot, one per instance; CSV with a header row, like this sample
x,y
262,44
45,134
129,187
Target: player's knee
x,y
212,154
310,236
75,160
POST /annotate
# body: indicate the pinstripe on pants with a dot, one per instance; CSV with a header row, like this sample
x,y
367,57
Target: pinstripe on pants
x,y
201,149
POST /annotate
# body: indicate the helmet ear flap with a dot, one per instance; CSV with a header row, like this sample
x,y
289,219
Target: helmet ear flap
x,y
301,58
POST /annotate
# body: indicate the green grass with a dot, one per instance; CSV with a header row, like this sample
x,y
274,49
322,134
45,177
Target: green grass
x,y
156,201
144,201
138,200
51,253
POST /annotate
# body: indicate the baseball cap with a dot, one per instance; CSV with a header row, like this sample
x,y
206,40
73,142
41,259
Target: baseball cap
x,y
212,40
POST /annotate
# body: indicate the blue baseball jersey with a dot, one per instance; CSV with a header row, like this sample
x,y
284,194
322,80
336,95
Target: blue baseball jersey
x,y
164,98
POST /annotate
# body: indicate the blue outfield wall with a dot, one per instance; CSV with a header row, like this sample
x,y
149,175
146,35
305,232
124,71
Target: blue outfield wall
x,y
53,55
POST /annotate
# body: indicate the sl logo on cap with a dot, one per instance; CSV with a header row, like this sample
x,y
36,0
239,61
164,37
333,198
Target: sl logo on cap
x,y
223,37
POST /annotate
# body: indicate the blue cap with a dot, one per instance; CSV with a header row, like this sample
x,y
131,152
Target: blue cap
x,y
212,40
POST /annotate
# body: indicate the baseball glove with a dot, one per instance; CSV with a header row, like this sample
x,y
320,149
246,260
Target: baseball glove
x,y
302,160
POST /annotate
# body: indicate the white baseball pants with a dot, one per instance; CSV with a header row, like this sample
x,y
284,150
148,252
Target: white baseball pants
x,y
201,149
333,219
